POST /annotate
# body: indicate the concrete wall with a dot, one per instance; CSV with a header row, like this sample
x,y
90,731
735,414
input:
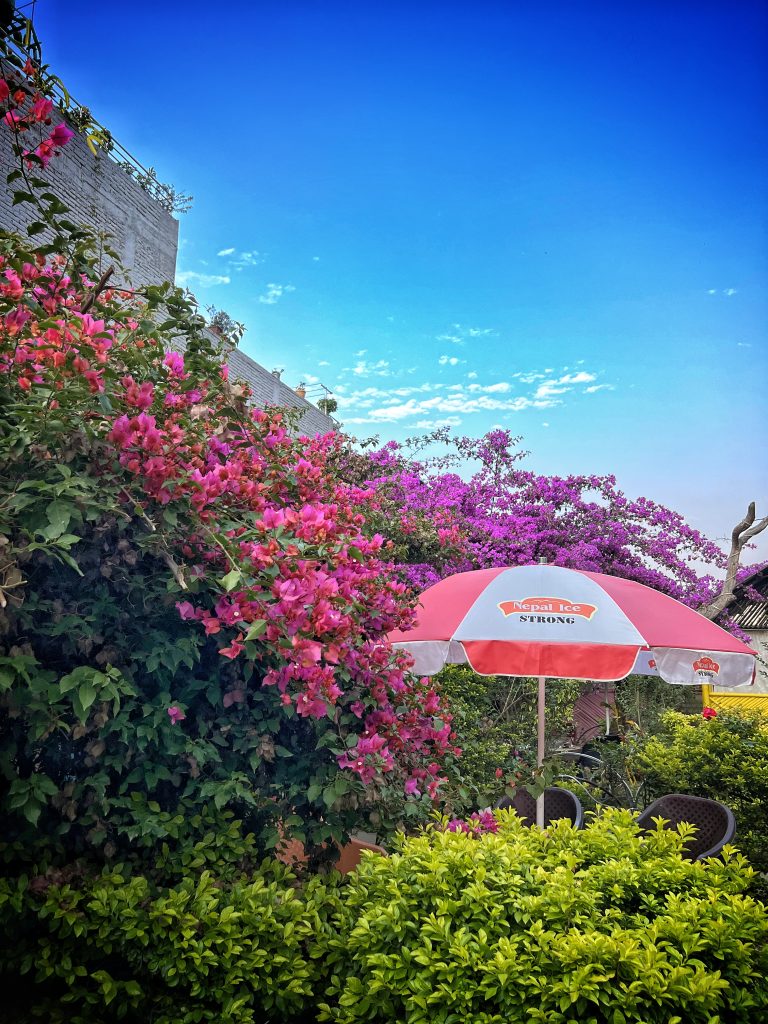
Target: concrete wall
x,y
100,194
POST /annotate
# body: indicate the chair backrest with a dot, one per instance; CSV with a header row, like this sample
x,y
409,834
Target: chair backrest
x,y
558,803
714,822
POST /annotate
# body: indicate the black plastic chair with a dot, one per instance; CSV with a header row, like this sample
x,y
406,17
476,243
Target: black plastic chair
x,y
558,803
715,823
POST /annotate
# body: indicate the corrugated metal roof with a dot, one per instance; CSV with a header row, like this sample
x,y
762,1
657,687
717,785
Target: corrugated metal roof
x,y
751,614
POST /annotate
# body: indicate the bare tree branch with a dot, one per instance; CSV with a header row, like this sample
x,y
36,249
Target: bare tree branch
x,y
100,286
742,533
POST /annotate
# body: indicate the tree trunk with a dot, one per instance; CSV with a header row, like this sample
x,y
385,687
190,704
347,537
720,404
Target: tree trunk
x,y
742,533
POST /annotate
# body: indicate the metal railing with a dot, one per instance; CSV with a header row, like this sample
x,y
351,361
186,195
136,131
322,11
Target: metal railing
x,y
20,40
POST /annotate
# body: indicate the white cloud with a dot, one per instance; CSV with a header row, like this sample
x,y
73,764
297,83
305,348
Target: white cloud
x,y
450,361
711,291
191,277
225,252
597,387
310,378
729,291
248,259
472,375
743,344
323,362
377,369
548,389
582,377
315,259
275,292
361,353
430,404
448,421
545,424
458,333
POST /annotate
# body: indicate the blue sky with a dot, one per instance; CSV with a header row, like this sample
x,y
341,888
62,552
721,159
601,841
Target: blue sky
x,y
546,216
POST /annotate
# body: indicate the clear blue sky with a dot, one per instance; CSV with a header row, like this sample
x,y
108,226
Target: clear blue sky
x,y
546,216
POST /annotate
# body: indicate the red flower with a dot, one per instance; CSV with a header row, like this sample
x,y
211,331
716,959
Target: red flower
x,y
709,713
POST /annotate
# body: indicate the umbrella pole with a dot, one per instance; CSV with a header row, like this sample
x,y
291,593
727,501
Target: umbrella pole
x,y
540,750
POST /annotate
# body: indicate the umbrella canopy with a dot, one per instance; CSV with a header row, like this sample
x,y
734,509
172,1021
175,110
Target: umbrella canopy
x,y
544,620
551,622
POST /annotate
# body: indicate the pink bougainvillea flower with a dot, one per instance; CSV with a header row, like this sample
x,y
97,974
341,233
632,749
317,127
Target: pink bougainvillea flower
x,y
175,714
186,610
41,109
412,787
233,650
175,363
709,713
61,135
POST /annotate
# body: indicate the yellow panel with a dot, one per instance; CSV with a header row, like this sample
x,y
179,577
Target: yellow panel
x,y
734,701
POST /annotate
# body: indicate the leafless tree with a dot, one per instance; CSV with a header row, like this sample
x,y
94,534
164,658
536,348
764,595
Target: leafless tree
x,y
742,534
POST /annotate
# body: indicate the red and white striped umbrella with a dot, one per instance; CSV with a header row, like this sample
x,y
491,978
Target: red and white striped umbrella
x,y
551,622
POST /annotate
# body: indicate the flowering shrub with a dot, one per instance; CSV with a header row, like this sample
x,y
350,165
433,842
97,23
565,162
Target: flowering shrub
x,y
599,925
506,515
723,757
193,605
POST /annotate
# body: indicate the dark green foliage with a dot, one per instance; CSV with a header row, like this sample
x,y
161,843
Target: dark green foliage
x,y
641,701
494,718
124,947
726,759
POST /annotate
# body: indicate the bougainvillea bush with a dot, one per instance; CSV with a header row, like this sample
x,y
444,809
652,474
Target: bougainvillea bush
x,y
500,513
518,925
193,609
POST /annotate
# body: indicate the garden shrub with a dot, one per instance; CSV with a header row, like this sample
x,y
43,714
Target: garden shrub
x,y
121,946
724,758
494,719
601,926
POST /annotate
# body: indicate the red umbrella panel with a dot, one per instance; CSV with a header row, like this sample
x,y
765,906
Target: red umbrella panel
x,y
547,621
544,620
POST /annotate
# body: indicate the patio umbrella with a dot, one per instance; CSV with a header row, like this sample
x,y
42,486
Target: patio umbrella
x,y
556,623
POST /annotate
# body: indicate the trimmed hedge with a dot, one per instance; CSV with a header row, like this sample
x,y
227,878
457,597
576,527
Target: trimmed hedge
x,y
596,927
601,926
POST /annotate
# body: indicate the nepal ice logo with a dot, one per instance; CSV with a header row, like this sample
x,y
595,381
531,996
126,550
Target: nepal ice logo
x,y
706,668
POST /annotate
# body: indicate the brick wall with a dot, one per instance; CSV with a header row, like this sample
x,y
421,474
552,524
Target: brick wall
x,y
101,195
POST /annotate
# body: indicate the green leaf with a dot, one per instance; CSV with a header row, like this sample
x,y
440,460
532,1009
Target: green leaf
x,y
256,629
59,515
230,581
